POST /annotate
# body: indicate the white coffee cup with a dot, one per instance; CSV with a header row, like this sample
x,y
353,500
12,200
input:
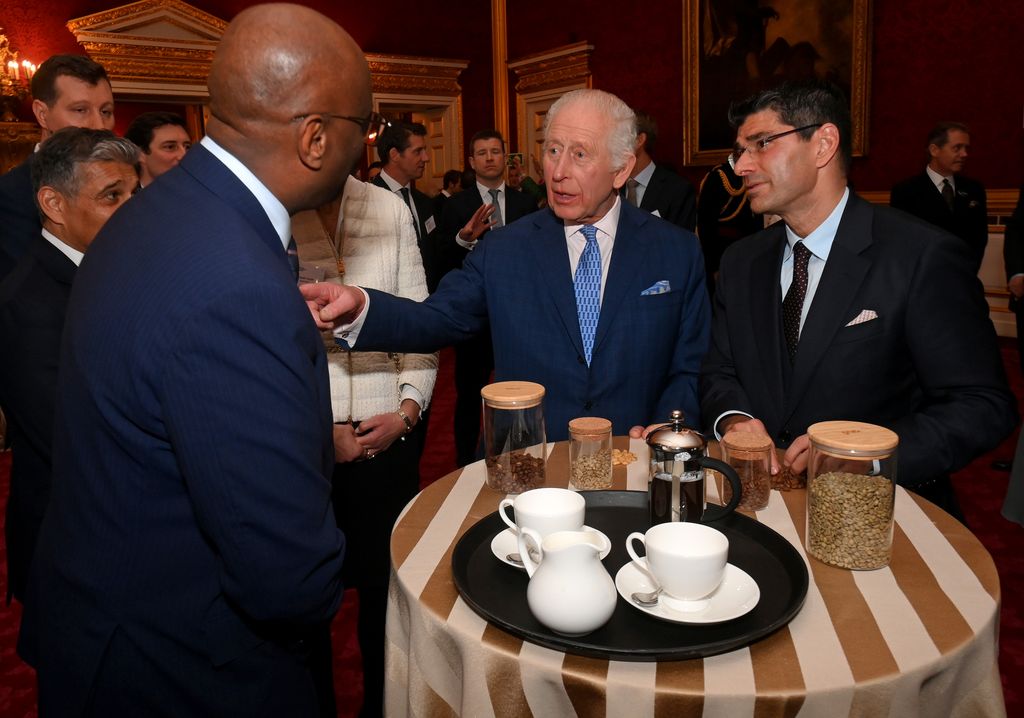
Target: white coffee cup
x,y
545,511
687,560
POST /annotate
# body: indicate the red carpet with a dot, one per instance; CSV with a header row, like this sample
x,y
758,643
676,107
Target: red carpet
x,y
979,487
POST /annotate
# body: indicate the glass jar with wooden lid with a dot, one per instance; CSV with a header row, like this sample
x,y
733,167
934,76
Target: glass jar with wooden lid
x,y
851,488
751,456
590,453
515,447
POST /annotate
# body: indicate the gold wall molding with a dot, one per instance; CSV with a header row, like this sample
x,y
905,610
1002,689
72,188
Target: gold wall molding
x,y
17,141
499,63
153,49
550,69
407,74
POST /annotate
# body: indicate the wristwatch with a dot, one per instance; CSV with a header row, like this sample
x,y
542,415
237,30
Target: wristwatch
x,y
407,420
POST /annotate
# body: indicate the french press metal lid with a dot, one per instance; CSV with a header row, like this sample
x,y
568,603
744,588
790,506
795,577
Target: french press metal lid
x,y
678,459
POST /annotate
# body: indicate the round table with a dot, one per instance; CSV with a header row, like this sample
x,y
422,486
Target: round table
x,y
918,638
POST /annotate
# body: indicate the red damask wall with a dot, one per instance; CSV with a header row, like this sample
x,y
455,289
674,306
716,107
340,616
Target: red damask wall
x,y
930,61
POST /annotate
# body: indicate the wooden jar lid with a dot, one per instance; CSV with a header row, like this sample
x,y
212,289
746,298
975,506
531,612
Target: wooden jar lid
x,y
744,445
512,394
590,427
853,438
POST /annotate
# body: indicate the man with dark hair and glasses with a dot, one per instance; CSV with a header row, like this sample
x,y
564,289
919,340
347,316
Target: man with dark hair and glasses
x,y
67,91
402,147
845,310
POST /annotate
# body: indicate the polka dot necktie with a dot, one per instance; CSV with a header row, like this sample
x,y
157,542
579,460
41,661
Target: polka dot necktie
x,y
587,284
793,304
293,258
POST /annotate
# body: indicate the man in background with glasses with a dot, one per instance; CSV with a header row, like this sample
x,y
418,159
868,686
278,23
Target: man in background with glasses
x,y
845,310
189,563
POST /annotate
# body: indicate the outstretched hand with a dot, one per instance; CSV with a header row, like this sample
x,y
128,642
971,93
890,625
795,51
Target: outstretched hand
x,y
332,304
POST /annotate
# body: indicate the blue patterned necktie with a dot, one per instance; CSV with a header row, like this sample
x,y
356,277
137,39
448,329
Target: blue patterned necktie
x,y
587,284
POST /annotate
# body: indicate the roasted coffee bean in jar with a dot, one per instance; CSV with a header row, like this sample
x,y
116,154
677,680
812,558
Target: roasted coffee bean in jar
x,y
514,439
590,453
851,489
751,456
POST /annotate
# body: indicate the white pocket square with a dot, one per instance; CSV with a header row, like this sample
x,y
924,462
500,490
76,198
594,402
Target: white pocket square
x,y
866,315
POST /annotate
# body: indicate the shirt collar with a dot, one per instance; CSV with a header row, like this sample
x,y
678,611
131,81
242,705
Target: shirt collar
x,y
606,224
276,212
644,176
936,178
485,191
391,182
67,250
819,242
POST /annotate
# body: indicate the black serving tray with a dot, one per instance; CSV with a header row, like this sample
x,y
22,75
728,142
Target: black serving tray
x,y
497,591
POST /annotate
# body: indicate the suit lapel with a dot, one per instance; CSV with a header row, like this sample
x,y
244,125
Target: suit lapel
x,y
766,314
216,177
652,195
627,257
552,254
843,275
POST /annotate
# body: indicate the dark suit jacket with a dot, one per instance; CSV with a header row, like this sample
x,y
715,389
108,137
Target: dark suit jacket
x,y
928,367
439,202
19,218
458,210
672,196
968,220
647,349
33,300
1013,245
189,548
424,238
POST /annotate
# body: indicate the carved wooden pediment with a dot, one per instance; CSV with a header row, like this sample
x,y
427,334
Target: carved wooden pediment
x,y
152,48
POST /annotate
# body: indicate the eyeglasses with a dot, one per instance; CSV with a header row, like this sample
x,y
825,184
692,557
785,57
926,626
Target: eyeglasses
x,y
372,125
759,145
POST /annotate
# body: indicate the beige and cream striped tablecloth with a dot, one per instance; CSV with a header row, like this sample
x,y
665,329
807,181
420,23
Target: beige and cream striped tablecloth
x,y
918,638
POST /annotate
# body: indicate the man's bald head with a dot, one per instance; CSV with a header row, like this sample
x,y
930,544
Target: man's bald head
x,y
279,74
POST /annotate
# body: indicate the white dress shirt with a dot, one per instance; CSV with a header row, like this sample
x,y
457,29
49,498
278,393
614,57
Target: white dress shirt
x,y
397,188
937,179
643,178
68,251
276,212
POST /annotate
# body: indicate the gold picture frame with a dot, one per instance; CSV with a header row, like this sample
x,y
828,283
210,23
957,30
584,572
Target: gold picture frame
x,y
733,48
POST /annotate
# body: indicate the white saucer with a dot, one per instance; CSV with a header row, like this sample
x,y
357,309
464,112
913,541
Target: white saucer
x,y
507,542
736,596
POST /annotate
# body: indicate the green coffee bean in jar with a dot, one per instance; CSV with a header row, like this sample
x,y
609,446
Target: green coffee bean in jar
x,y
590,453
851,482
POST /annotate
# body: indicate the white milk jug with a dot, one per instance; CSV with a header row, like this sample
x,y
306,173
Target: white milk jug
x,y
570,591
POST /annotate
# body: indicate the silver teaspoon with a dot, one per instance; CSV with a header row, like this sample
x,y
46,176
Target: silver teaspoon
x,y
646,599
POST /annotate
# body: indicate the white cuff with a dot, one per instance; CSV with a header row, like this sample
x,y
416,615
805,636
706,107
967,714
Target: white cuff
x,y
465,244
347,334
408,391
722,416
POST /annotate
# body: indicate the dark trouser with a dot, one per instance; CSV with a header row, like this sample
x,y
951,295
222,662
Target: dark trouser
x,y
368,497
474,362
940,492
1019,314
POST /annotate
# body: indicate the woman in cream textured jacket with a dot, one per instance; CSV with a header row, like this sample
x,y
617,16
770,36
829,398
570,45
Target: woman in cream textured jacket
x,y
367,239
